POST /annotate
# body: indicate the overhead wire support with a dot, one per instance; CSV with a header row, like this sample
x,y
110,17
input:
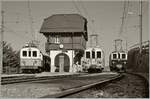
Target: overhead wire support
x,y
31,21
88,16
1,42
123,18
78,10
140,19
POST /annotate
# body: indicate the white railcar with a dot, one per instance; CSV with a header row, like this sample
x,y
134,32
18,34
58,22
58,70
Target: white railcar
x,y
32,60
93,60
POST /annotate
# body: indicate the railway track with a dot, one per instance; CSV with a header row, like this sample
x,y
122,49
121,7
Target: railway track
x,y
75,90
130,85
123,85
20,79
50,87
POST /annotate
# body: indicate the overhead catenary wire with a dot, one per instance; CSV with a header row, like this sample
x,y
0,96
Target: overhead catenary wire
x,y
31,21
17,34
88,16
124,17
85,12
76,7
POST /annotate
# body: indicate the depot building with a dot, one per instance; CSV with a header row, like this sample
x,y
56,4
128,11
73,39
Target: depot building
x,y
66,36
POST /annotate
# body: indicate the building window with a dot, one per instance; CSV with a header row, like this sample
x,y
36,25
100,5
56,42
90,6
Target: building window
x,y
29,53
57,40
34,53
93,54
24,53
98,54
88,54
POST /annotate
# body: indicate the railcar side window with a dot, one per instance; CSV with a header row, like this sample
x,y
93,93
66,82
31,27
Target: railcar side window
x,y
88,54
114,56
93,54
29,53
98,54
24,53
123,56
34,53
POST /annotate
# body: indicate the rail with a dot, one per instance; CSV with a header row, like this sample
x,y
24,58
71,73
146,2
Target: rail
x,y
81,88
12,80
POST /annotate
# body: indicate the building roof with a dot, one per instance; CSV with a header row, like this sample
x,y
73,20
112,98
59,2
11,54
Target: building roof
x,y
68,23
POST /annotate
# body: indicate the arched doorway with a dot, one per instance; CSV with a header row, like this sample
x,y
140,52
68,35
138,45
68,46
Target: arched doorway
x,y
62,63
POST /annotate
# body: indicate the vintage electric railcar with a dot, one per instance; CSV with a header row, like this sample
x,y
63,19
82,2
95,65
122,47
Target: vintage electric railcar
x,y
93,60
118,61
33,61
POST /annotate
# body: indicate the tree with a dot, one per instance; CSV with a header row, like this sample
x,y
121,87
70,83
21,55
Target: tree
x,y
10,57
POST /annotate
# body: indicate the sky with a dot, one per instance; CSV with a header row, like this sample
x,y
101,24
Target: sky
x,y
104,18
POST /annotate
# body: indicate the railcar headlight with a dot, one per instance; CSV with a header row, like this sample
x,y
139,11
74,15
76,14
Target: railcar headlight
x,y
113,62
124,62
119,66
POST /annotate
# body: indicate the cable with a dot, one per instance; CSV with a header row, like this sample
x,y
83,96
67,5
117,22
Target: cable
x,y
30,21
12,31
89,17
78,10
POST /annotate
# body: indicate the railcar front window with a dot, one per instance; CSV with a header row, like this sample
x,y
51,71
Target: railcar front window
x,y
123,56
24,53
93,54
34,53
87,54
98,54
119,55
29,53
114,56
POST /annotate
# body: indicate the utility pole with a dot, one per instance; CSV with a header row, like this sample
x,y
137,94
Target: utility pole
x,y
1,42
140,2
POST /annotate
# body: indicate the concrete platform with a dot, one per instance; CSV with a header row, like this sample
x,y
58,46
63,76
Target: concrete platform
x,y
40,74
16,75
54,74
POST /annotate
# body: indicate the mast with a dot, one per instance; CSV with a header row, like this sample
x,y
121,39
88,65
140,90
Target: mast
x,y
140,19
1,42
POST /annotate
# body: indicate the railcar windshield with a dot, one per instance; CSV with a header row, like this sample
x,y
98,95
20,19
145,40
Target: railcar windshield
x,y
93,54
98,54
34,53
24,53
87,54
118,55
114,56
29,53
123,56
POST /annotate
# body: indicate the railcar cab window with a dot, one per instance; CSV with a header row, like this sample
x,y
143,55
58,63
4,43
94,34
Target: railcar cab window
x,y
87,54
34,53
29,53
93,54
118,55
123,56
114,56
98,54
24,53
